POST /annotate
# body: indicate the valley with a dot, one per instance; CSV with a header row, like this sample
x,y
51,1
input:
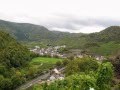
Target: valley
x,y
29,53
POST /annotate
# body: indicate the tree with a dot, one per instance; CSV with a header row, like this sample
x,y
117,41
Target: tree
x,y
81,65
104,76
87,64
71,68
65,62
5,84
58,63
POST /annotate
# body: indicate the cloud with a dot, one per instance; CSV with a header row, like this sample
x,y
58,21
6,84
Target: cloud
x,y
76,24
63,15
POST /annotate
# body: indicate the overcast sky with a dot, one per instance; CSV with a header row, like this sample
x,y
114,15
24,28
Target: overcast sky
x,y
84,16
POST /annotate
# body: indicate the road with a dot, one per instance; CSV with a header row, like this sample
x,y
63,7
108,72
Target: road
x,y
36,80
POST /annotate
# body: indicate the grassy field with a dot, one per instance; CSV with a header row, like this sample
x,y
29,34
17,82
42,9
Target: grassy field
x,y
42,60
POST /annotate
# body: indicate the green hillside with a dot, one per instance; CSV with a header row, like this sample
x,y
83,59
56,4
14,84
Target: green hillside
x,y
105,42
32,35
13,56
30,32
35,33
109,34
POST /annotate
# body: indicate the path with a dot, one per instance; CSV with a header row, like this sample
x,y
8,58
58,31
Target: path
x,y
36,80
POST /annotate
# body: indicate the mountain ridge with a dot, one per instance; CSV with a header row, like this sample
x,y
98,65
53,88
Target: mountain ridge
x,y
28,33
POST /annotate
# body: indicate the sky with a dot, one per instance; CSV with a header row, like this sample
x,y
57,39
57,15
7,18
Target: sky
x,y
73,16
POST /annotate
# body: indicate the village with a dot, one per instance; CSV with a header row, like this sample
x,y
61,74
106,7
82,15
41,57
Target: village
x,y
51,51
54,52
56,73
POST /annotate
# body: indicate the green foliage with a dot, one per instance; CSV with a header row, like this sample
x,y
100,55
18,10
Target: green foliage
x,y
15,56
65,62
104,76
105,48
81,65
58,63
45,60
117,87
91,44
98,80
73,82
5,83
40,64
12,56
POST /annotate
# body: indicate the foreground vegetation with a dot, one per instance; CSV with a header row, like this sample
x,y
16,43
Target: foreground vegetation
x,y
83,74
13,56
39,65
18,64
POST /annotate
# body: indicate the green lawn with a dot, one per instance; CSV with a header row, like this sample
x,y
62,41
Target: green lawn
x,y
43,63
40,60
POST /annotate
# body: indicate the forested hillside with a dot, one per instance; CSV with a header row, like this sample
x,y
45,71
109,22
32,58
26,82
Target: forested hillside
x,y
13,56
105,42
35,33
109,34
30,32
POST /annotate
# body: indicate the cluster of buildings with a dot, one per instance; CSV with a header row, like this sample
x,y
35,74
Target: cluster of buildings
x,y
79,54
55,74
54,51
97,57
51,51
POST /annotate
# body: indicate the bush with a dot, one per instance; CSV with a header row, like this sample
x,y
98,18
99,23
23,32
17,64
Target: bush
x,y
58,63
104,76
65,62
81,65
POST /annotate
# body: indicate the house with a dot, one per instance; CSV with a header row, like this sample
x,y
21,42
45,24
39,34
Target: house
x,y
52,78
55,75
92,88
55,71
100,58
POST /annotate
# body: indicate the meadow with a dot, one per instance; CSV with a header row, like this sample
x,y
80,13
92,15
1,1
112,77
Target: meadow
x,y
43,60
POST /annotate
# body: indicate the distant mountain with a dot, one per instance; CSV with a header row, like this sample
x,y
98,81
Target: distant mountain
x,y
105,42
111,33
30,32
39,34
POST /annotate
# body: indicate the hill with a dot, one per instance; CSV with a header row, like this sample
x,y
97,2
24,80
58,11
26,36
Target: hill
x,y
12,53
32,35
111,33
30,32
35,33
105,42
12,56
